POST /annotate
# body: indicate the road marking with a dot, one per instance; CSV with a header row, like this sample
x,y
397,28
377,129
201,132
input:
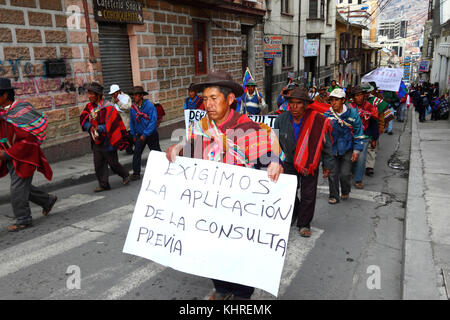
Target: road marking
x,y
73,201
61,205
47,246
298,250
364,195
132,281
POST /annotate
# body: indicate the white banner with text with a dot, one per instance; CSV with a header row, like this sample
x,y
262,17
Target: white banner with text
x,y
213,220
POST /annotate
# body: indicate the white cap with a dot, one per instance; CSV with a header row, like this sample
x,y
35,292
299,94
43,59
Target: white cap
x,y
114,88
338,93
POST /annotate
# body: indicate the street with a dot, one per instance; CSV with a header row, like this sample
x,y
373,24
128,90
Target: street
x,y
355,251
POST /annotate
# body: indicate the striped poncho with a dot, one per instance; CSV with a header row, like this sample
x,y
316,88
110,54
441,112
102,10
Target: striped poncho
x,y
22,115
106,114
238,141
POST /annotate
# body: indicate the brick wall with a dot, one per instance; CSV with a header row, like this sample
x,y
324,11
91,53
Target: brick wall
x,y
166,51
33,31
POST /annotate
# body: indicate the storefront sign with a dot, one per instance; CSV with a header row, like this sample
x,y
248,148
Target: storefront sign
x,y
118,11
424,66
311,47
273,46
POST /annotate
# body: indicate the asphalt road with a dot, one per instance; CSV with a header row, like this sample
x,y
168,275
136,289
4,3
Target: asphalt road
x,y
355,251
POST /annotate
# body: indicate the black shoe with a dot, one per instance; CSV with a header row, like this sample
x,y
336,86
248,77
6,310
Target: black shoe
x,y
369,171
135,177
101,189
46,211
390,133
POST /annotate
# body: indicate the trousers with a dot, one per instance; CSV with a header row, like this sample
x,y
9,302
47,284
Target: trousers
x,y
371,156
102,159
22,191
341,174
305,206
152,141
359,166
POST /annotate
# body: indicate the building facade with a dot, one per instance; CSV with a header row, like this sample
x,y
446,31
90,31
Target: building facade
x,y
307,32
51,50
349,52
440,51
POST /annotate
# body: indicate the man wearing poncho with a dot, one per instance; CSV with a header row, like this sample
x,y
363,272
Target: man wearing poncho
x,y
305,137
227,136
108,133
21,156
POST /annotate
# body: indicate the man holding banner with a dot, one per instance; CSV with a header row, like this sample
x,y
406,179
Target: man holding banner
x,y
252,102
224,135
305,137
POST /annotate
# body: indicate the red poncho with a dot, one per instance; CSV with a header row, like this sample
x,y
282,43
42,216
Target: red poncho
x,y
116,131
24,150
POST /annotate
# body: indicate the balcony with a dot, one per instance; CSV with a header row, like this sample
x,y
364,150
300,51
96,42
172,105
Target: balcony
x,y
350,54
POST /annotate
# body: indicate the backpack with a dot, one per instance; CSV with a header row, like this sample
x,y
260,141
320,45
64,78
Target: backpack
x,y
23,115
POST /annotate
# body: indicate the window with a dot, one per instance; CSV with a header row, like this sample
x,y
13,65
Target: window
x,y
286,59
327,55
322,9
200,47
313,9
328,11
285,6
349,1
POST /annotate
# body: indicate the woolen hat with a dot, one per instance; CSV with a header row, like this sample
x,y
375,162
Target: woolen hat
x,y
299,93
219,78
95,87
139,90
5,84
250,83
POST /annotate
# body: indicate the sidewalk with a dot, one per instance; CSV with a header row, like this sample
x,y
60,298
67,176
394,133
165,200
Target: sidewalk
x,y
74,171
427,224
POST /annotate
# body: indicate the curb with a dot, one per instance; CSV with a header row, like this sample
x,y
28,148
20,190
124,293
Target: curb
x,y
419,273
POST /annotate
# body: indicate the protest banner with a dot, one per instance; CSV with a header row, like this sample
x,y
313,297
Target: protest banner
x,y
386,78
196,115
213,220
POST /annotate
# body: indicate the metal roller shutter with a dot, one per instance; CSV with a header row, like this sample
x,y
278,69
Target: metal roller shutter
x,y
115,57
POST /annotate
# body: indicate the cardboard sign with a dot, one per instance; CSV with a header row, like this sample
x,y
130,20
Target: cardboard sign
x,y
386,78
213,220
196,115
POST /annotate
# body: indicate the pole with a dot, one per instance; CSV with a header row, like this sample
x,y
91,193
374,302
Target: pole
x,y
347,41
88,31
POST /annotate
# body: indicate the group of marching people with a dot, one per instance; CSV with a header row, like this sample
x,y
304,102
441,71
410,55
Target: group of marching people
x,y
120,124
340,127
113,125
338,131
